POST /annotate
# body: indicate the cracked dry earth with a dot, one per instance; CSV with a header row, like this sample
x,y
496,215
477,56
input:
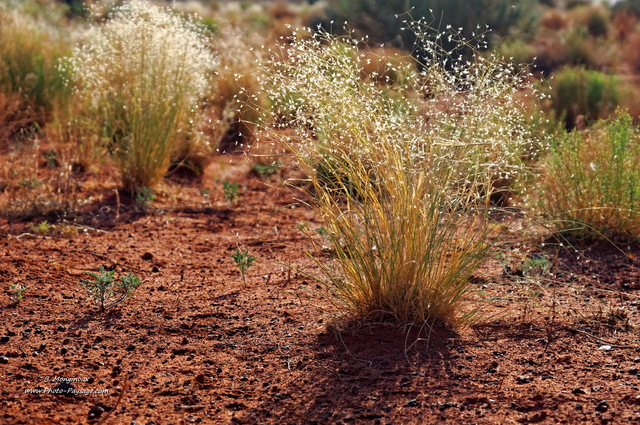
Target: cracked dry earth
x,y
195,345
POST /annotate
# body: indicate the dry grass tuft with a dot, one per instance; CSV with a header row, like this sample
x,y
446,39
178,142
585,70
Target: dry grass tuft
x,y
144,72
403,187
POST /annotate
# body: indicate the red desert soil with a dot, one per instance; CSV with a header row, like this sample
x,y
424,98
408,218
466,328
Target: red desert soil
x,y
194,345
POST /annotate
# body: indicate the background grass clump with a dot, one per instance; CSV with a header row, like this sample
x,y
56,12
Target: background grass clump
x,y
580,96
591,181
403,191
142,74
30,48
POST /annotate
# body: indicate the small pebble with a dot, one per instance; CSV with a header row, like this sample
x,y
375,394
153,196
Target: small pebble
x,y
95,412
411,403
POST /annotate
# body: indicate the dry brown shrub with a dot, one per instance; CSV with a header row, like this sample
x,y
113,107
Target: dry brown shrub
x,y
554,20
631,52
624,23
16,116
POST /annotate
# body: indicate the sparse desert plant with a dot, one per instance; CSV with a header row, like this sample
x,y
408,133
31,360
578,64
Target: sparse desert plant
x,y
104,289
537,266
144,70
29,52
402,187
67,230
595,19
243,260
583,96
43,228
230,191
17,292
29,190
73,135
266,170
15,116
591,181
144,196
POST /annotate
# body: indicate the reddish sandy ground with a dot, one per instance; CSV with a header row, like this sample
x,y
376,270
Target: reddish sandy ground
x,y
194,345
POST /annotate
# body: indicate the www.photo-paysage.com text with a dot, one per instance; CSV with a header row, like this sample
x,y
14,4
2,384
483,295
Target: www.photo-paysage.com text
x,y
66,391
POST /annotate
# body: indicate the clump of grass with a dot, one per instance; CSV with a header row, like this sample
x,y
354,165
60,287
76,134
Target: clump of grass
x,y
104,289
581,96
236,99
73,134
591,181
15,116
144,72
29,52
401,182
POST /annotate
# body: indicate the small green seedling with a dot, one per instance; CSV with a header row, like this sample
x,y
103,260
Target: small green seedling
x,y
230,191
17,291
31,183
265,170
243,261
52,159
144,195
106,291
44,228
206,193
538,265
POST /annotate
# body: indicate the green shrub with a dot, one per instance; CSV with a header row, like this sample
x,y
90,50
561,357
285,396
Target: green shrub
x,y
591,181
402,187
144,72
378,19
583,95
627,6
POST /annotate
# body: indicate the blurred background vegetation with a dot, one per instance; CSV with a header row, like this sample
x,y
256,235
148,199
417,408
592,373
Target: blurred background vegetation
x,y
583,55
